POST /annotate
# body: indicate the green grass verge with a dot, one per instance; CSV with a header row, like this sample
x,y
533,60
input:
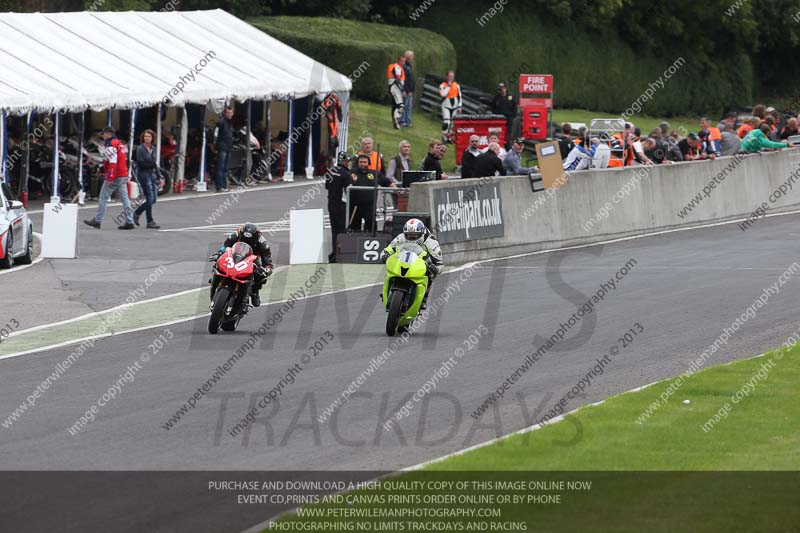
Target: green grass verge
x,y
370,119
348,45
666,474
759,433
285,281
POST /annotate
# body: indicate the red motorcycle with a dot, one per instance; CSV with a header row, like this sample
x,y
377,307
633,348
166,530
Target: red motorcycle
x,y
230,287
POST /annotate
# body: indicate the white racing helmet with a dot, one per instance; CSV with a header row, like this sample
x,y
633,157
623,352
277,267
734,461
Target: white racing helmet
x,y
414,230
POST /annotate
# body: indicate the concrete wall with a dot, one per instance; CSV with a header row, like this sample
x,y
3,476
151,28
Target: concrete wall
x,y
655,196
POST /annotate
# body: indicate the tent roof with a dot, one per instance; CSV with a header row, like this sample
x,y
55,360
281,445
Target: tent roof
x,y
97,60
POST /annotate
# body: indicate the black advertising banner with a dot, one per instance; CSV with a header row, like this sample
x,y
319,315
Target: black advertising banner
x,y
468,212
369,248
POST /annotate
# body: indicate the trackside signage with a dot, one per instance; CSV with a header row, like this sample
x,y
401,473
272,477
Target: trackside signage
x,y
535,83
468,213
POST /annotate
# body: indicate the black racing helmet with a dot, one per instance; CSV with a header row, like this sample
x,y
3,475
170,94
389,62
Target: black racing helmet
x,y
249,231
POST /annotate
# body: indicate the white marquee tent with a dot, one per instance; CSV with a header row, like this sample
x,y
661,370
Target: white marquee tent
x,y
73,62
96,60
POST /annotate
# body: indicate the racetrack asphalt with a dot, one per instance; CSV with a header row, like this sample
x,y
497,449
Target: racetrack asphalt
x,y
683,289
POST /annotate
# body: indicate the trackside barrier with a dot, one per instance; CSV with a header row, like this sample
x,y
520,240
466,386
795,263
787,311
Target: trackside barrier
x,y
596,205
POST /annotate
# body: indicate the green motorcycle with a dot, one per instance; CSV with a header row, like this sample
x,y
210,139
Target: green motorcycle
x,y
405,286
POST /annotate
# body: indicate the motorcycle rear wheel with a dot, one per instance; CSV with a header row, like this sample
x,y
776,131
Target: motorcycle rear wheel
x,y
220,302
395,312
164,182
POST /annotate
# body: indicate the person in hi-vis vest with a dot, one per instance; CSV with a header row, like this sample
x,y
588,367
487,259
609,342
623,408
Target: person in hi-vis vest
x,y
396,78
450,91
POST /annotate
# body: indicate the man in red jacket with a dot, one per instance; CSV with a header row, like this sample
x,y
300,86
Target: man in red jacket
x,y
115,179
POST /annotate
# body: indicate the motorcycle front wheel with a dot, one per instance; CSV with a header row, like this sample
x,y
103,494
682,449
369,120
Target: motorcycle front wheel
x,y
395,312
230,325
219,303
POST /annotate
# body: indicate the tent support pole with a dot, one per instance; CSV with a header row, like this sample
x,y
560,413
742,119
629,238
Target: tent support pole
x,y
26,160
55,198
345,124
249,161
4,174
180,157
201,178
288,174
131,138
158,135
81,132
310,137
268,137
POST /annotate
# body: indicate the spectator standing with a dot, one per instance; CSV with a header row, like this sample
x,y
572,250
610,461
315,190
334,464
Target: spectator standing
x,y
747,126
565,141
505,104
714,136
222,146
375,159
773,128
790,129
495,138
399,163
410,88
772,112
115,179
147,166
433,161
654,149
489,163
728,123
396,78
731,143
636,149
333,113
450,91
513,160
602,153
469,156
690,147
579,158
362,202
759,111
757,140
670,146
706,148
337,179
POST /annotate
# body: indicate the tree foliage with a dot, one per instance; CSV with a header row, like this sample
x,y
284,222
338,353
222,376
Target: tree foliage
x,y
764,34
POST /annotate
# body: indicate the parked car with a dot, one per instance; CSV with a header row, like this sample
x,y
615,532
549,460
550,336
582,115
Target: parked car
x,y
16,230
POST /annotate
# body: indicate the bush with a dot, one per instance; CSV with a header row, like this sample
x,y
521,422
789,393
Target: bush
x,y
593,69
344,45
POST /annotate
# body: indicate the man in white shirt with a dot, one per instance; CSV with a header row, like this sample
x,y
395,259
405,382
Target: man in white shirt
x,y
399,163
495,138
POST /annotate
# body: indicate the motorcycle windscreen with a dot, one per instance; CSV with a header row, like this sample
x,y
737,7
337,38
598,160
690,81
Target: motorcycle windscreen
x,y
240,250
412,247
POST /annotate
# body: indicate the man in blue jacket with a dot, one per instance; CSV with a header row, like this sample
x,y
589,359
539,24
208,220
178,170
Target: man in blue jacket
x,y
513,160
409,88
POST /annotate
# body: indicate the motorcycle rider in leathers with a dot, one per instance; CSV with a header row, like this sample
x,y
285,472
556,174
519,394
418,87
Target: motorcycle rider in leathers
x,y
414,231
251,235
